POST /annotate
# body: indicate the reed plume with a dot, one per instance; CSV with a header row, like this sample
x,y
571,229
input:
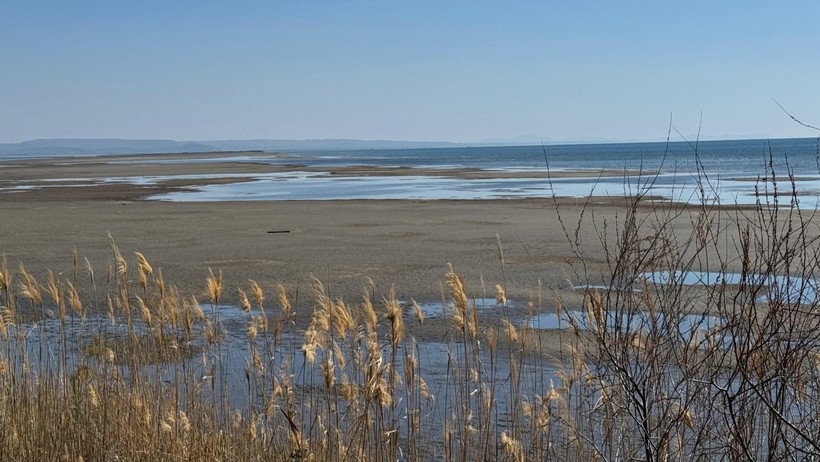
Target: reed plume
x,y
214,286
284,302
56,296
500,295
4,321
29,288
74,300
5,277
256,293
144,268
418,312
394,316
244,302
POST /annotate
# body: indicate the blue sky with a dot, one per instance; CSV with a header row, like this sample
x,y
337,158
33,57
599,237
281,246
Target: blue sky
x,y
458,71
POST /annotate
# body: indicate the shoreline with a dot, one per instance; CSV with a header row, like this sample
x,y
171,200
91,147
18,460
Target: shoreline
x,y
132,178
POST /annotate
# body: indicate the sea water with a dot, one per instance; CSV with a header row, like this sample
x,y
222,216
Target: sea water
x,y
727,172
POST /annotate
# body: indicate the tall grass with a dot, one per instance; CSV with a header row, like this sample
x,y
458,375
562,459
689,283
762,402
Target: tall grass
x,y
652,366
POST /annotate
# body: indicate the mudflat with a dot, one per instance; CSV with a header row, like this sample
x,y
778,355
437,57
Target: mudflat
x,y
348,245
344,243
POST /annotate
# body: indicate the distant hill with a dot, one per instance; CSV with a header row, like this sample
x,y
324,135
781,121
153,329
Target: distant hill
x,y
92,147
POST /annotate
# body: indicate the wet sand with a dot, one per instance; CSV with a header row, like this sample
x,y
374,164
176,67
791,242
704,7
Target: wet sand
x,y
90,178
346,244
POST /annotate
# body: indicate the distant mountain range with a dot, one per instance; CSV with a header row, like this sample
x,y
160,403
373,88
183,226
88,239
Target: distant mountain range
x,y
90,147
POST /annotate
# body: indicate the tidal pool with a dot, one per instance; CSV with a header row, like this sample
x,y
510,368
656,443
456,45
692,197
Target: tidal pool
x,y
786,289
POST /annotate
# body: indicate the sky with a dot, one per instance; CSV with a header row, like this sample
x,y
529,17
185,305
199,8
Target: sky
x,y
462,71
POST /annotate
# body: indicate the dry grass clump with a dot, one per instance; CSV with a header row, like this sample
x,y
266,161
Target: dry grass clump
x,y
152,374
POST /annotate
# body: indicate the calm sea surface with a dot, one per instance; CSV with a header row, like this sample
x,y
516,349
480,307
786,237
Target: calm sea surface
x,y
743,157
715,171
728,172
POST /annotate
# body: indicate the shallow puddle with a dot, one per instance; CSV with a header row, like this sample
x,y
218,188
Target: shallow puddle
x,y
787,289
447,367
635,322
438,309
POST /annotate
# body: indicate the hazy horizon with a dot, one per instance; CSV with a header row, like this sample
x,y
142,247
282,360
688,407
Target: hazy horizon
x,y
520,140
455,72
